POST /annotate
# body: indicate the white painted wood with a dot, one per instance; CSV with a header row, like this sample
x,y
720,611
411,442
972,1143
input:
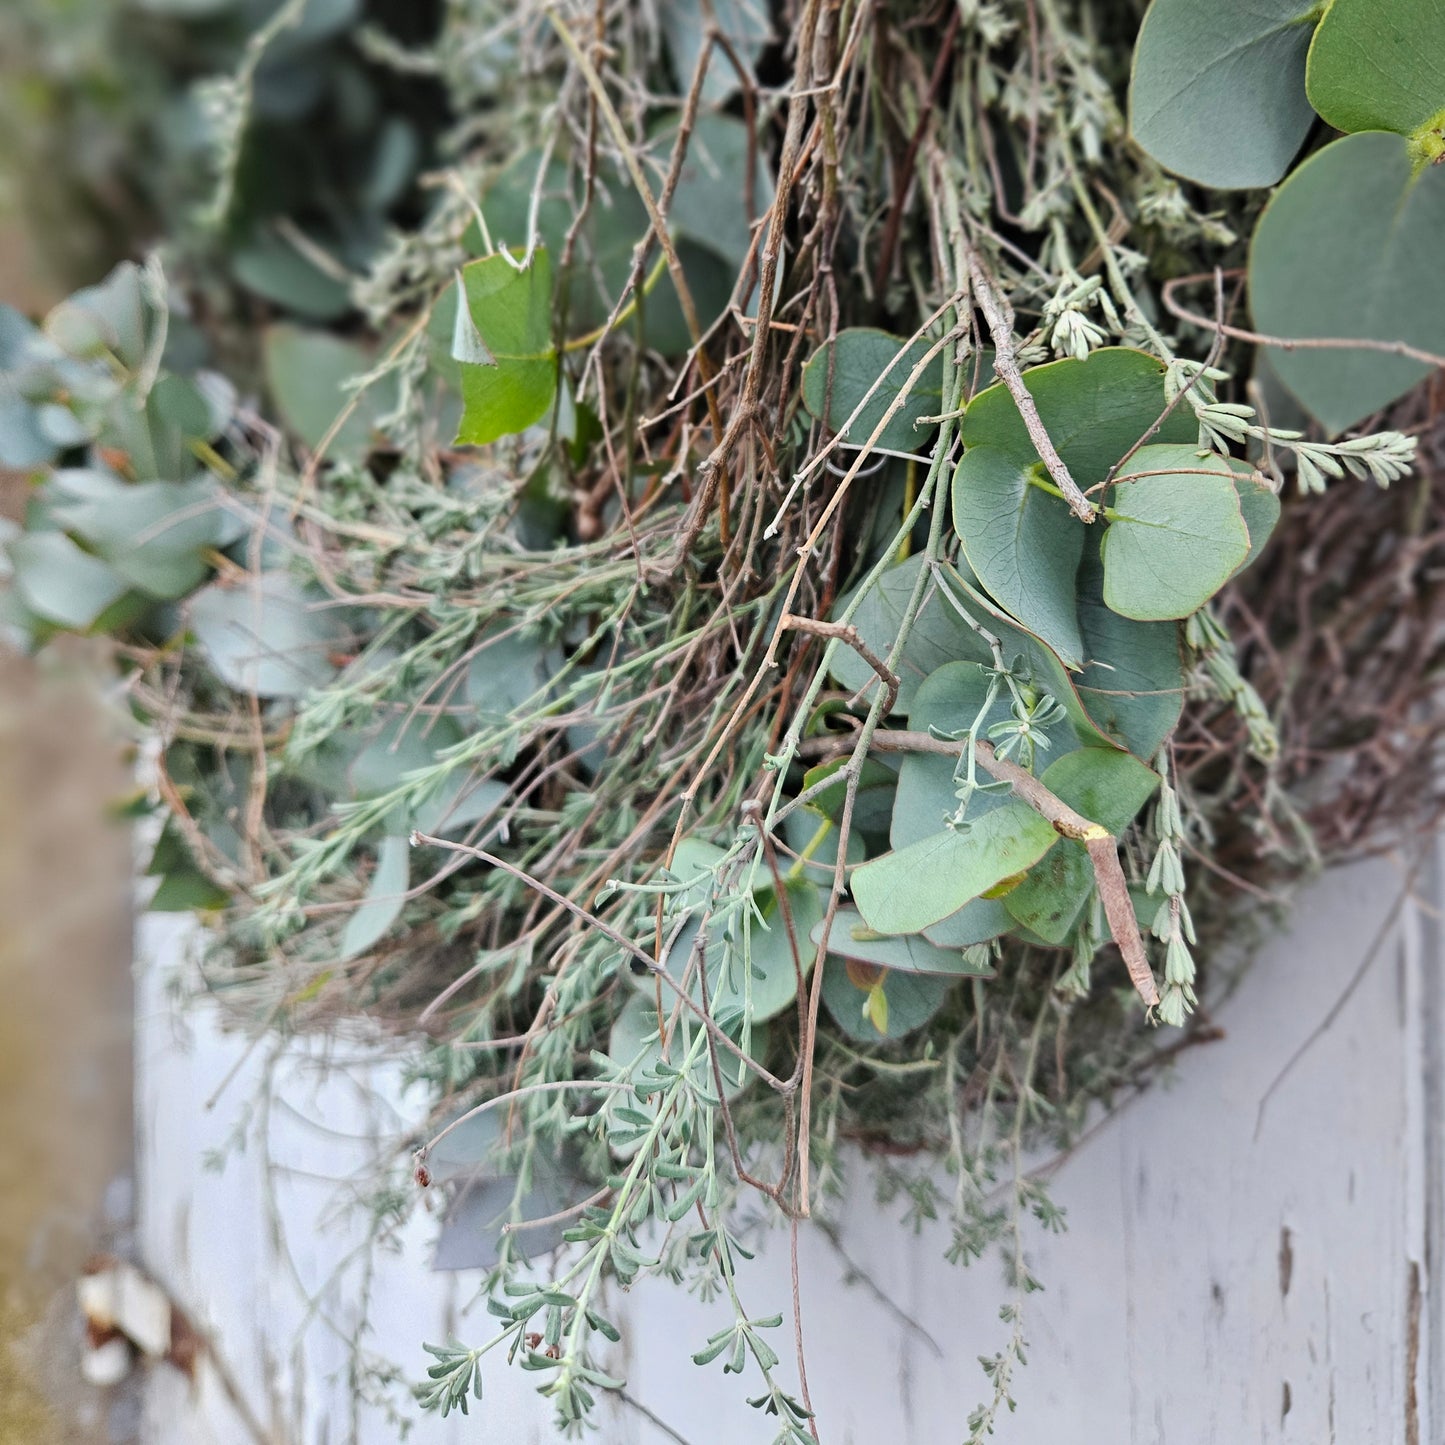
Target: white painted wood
x,y
1228,1275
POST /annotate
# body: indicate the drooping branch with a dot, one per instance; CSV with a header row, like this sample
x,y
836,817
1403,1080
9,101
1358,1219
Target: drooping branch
x,y
1101,845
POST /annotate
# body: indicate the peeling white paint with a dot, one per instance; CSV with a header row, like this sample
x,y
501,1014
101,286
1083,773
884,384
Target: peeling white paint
x,y
1166,1319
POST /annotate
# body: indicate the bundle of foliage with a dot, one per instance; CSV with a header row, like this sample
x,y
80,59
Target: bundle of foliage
x,y
757,654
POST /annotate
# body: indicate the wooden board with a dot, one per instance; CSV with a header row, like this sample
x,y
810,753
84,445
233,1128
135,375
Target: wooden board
x,y
1246,1260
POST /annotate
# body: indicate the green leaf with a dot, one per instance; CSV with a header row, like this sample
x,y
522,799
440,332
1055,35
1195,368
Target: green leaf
x,y
306,374
511,311
153,533
976,922
694,861
1259,505
746,24
58,581
1377,278
1094,410
460,806
1174,539
873,804
1108,788
1040,664
267,636
1023,544
633,1042
1217,91
1380,65
187,892
509,669
274,269
1049,901
760,975
801,826
23,442
183,887
112,317
407,744
1133,687
938,634
851,938
767,987
384,898
606,244
948,701
856,360
908,1000
710,206
915,887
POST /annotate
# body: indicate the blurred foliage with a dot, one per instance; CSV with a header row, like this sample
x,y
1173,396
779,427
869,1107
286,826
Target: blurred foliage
x,y
107,144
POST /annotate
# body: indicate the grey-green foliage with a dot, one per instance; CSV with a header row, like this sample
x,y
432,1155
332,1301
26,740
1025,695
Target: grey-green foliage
x,y
1217,92
1225,93
329,136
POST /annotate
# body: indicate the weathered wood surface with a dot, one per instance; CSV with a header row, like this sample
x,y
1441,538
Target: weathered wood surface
x,y
1247,1256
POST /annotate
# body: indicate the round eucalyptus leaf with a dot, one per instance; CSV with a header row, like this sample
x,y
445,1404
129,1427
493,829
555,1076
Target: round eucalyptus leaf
x,y
1217,92
509,670
154,534
1049,901
851,938
23,441
841,373
800,831
1133,685
949,701
384,898
1023,544
1094,410
60,426
939,634
306,374
749,961
979,921
913,888
402,745
746,24
634,1042
1350,247
1176,533
711,206
58,581
875,1005
459,806
268,636
694,862
485,1191
1259,506
112,317
276,271
762,960
1108,787
1380,65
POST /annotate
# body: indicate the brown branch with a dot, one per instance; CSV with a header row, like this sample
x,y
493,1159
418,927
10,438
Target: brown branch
x,y
846,632
1102,846
1286,343
999,315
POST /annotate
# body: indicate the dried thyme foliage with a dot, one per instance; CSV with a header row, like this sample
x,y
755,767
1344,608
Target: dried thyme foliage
x,y
609,636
